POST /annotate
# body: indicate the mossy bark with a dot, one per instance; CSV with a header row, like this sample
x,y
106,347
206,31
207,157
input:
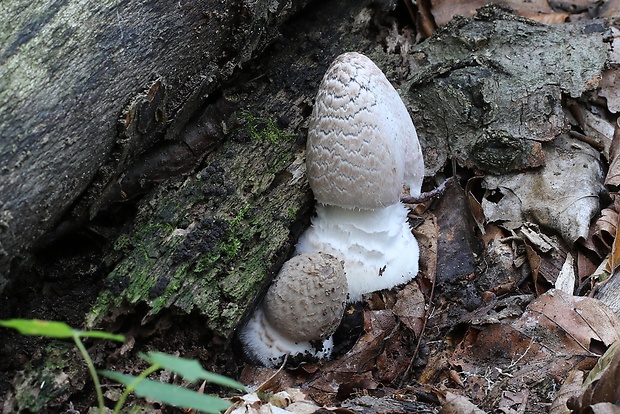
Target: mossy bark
x,y
210,242
71,70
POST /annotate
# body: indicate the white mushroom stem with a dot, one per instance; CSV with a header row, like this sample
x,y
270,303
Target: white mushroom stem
x,y
362,148
264,343
377,246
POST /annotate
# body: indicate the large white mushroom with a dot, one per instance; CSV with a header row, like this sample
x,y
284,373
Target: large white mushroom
x,y
300,312
362,148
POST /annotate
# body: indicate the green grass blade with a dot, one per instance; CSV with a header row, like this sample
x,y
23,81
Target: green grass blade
x,y
190,369
52,329
171,394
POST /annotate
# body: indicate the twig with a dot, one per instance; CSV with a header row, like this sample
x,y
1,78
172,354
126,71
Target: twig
x,y
437,192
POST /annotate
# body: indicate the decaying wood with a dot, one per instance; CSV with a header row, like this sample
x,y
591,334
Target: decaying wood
x,y
69,71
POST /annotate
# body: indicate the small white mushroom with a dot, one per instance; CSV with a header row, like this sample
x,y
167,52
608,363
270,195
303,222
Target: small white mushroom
x,y
300,312
362,148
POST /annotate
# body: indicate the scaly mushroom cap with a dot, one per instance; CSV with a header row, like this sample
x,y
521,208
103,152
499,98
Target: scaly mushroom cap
x,y
362,145
306,301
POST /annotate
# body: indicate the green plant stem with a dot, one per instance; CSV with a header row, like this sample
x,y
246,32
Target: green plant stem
x,y
93,372
132,386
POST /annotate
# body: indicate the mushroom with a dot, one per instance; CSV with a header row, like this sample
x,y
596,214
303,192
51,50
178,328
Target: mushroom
x,y
362,148
300,312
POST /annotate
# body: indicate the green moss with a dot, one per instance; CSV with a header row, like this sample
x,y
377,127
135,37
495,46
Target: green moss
x,y
291,213
122,242
264,129
171,290
37,386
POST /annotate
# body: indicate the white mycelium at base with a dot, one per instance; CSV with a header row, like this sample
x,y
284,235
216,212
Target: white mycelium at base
x,y
268,347
377,246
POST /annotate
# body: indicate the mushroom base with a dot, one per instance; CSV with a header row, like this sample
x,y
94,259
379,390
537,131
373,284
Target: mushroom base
x,y
264,344
377,246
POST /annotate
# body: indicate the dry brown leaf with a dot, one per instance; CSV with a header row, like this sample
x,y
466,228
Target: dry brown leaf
x,y
513,402
457,404
605,230
474,205
562,196
602,395
585,266
583,322
614,260
456,244
570,388
556,334
410,308
426,235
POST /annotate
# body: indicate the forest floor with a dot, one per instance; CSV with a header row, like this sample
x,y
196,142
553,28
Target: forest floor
x,y
502,312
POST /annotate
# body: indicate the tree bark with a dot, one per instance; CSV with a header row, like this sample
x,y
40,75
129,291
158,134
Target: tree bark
x,y
70,71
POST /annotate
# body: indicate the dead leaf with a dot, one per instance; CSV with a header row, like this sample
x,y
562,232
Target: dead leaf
x,y
566,278
474,205
457,404
546,256
614,261
583,322
605,230
570,388
410,308
599,130
562,196
513,401
426,234
613,174
603,394
585,266
610,82
609,89
556,334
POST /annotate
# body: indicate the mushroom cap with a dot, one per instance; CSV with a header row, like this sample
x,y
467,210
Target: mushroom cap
x,y
262,342
362,145
307,299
